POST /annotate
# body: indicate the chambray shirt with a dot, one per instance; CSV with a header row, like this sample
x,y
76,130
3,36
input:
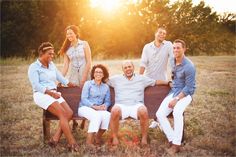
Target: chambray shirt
x,y
93,94
155,59
183,77
130,92
42,78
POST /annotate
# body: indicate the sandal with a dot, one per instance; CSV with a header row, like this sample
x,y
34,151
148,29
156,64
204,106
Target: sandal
x,y
52,143
73,147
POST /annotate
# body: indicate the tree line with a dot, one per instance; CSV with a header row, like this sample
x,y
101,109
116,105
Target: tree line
x,y
121,33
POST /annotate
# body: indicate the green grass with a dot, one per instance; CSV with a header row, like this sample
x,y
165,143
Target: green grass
x,y
210,121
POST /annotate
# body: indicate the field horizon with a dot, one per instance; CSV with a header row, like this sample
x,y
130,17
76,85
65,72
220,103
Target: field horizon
x,y
210,120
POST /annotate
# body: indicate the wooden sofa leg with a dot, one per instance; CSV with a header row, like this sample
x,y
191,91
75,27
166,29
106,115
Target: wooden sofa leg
x,y
46,129
82,124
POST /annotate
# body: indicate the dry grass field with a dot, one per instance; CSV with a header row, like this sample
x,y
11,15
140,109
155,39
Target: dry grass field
x,y
210,120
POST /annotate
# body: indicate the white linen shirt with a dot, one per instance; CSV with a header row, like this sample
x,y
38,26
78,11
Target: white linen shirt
x,y
155,60
130,92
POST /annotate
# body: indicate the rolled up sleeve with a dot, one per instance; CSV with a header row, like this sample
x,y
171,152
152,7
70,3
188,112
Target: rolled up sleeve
x,y
33,75
144,58
85,95
189,81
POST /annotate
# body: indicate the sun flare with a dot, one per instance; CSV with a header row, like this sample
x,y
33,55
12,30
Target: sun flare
x,y
106,5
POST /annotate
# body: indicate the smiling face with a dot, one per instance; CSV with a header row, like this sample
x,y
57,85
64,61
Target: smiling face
x,y
160,35
70,35
128,69
47,56
98,74
178,50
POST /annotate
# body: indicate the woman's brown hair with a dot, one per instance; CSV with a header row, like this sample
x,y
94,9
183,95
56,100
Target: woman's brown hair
x,y
104,70
66,43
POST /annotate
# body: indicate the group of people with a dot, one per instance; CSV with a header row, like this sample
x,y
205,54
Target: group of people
x,y
129,88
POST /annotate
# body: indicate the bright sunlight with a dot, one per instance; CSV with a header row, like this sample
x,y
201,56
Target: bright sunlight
x,y
111,5
106,5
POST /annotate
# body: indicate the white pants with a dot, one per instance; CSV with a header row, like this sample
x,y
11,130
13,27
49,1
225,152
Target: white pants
x,y
98,119
175,134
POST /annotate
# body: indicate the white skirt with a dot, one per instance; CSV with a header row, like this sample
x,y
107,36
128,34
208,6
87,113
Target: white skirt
x,y
45,100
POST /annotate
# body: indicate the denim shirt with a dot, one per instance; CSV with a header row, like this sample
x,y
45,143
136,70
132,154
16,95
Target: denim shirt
x,y
42,78
183,77
93,94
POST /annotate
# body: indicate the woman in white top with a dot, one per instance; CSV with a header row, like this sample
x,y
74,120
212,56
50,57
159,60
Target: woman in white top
x,y
77,54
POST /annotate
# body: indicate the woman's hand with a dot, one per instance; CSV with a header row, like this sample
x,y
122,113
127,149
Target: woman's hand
x,y
100,107
71,84
55,94
59,85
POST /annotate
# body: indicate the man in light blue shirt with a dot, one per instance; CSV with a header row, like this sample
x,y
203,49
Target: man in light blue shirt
x,y
180,96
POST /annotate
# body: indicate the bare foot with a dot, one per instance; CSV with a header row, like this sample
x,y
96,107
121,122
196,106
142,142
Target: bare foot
x,y
144,141
115,141
98,141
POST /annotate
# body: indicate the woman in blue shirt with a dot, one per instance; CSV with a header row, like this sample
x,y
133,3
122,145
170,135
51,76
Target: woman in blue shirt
x,y
95,100
43,75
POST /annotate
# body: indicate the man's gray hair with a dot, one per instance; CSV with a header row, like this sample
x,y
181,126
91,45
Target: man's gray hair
x,y
127,61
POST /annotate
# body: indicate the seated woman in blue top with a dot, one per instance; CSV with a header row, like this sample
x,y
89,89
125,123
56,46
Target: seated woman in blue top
x,y
95,99
43,75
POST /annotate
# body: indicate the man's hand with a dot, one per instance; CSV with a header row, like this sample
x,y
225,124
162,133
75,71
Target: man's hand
x,y
172,103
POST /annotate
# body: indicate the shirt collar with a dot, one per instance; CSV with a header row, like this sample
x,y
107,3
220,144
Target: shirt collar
x,y
93,82
79,42
41,65
183,61
131,77
154,46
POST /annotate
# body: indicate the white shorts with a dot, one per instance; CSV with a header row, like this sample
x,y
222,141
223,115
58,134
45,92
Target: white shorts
x,y
129,110
45,100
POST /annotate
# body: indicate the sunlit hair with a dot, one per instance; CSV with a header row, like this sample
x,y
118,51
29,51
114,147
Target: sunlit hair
x,y
162,27
66,43
44,47
104,70
127,61
180,41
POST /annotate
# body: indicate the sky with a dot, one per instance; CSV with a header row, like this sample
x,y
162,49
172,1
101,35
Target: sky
x,y
220,6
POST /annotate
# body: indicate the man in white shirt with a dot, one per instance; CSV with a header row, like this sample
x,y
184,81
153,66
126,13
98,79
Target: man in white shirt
x,y
129,99
154,59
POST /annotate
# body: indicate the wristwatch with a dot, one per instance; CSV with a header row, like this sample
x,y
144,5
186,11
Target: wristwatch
x,y
177,98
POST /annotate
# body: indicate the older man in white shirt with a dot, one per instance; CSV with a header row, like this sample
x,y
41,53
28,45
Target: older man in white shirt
x,y
129,99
